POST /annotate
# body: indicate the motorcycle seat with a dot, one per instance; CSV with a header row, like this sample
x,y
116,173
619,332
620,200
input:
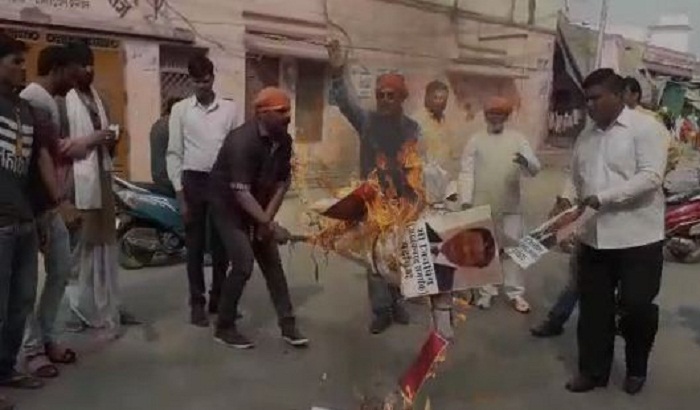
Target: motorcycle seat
x,y
684,197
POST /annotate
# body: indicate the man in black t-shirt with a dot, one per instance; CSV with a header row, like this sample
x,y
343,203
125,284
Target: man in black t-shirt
x,y
19,244
249,180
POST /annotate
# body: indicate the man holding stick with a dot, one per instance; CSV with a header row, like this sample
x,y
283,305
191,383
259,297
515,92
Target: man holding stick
x,y
250,179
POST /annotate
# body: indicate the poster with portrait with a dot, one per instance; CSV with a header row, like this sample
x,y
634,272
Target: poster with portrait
x,y
450,252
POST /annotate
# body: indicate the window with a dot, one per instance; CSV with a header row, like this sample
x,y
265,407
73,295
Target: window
x,y
174,80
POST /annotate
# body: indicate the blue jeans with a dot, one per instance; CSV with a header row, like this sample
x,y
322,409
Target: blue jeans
x,y
568,298
41,327
19,247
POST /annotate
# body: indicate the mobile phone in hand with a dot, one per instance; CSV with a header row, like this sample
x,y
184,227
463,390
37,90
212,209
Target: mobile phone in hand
x,y
115,129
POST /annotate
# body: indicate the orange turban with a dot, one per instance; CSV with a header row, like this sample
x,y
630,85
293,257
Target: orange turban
x,y
271,99
499,105
393,81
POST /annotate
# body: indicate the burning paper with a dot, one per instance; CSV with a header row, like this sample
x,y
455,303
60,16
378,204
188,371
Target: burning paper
x,y
431,353
556,230
351,222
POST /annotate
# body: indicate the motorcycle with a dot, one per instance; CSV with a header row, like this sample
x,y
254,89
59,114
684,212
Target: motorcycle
x,y
683,227
148,224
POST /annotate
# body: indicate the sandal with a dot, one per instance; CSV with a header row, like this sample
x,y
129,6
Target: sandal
x,y
520,305
41,366
22,381
58,354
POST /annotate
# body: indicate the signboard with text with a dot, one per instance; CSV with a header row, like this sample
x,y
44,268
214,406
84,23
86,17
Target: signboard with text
x,y
450,252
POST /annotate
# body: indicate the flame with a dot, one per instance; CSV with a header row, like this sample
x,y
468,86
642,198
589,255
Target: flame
x,y
386,211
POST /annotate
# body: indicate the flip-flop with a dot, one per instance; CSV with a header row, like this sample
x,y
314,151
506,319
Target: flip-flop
x,y
22,381
67,357
520,305
41,366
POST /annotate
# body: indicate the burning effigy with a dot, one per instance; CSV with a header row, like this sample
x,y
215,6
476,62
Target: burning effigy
x,y
369,223
400,220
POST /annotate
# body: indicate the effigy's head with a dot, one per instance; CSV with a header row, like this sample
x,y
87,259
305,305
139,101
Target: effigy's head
x,y
470,248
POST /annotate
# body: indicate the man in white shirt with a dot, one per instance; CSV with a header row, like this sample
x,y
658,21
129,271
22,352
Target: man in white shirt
x,y
197,128
617,168
492,165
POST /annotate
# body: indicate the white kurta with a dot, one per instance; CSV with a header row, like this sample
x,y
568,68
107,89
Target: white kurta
x,y
94,299
489,176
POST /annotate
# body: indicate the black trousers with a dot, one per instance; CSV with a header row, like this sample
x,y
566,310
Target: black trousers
x,y
635,273
241,248
195,187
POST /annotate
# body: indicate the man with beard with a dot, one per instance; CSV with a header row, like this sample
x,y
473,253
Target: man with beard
x,y
383,133
95,299
250,178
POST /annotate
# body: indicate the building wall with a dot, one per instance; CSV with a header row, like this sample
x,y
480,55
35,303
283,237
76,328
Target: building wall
x,y
677,39
143,102
384,36
517,11
140,63
672,32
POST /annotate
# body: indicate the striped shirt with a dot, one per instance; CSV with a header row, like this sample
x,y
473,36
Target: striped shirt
x,y
17,149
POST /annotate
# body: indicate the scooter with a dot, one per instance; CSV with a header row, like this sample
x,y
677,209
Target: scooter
x,y
683,227
148,224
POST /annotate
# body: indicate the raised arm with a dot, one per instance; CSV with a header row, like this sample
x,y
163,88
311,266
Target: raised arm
x,y
342,90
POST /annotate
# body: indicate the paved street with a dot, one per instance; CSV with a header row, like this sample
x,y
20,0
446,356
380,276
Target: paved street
x,y
493,365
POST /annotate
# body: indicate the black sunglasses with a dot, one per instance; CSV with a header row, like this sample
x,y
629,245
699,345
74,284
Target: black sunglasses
x,y
385,95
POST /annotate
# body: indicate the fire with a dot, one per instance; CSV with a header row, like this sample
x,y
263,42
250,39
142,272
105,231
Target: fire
x,y
385,210
386,214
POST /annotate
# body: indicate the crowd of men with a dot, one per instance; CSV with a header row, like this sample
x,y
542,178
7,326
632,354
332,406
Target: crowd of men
x,y
230,177
56,198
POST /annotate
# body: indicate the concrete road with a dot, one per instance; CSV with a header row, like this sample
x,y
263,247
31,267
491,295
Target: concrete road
x,y
494,364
